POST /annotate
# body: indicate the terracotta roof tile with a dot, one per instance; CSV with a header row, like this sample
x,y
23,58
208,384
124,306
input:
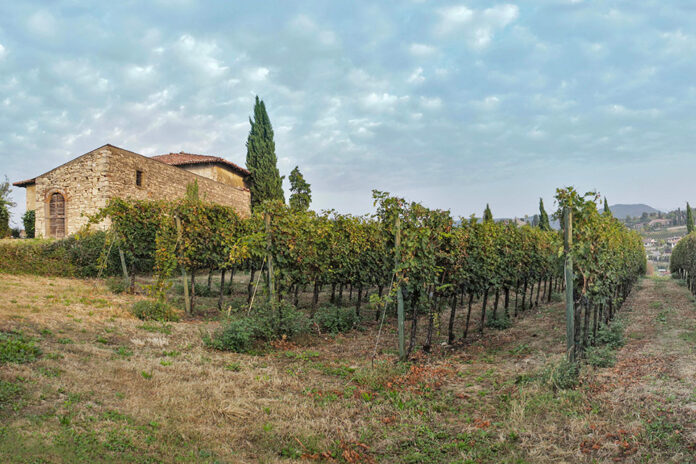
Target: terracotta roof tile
x,y
184,159
24,183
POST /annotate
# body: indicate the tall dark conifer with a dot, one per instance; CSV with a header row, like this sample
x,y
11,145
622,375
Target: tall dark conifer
x,y
544,223
261,160
301,195
607,211
689,219
487,215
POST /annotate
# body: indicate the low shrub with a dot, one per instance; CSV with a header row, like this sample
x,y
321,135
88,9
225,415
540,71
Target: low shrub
x,y
238,336
74,256
263,325
500,321
86,251
283,319
117,284
600,356
15,347
611,335
334,319
149,310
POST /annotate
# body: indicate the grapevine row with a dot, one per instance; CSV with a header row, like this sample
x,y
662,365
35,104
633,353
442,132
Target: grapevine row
x,y
439,263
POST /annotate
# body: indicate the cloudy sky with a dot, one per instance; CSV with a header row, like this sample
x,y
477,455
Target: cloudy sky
x,y
454,104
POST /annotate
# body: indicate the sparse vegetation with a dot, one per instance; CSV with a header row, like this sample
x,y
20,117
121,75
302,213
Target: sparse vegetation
x,y
335,319
16,347
149,310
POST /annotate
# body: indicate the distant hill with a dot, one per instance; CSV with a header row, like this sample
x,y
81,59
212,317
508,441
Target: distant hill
x,y
621,211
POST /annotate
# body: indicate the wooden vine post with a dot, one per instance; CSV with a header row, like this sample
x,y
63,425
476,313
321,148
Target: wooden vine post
x,y
123,264
570,311
399,295
179,238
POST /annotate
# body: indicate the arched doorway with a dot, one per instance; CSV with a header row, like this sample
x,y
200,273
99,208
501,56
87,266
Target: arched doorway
x,y
56,215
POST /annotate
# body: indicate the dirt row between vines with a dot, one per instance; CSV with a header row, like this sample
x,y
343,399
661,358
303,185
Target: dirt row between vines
x,y
110,388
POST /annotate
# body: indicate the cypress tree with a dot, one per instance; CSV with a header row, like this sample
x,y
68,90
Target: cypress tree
x,y
544,223
689,219
301,195
5,205
487,215
607,211
261,160
29,220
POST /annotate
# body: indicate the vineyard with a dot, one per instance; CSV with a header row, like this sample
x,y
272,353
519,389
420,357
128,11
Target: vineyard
x,y
404,259
402,336
683,261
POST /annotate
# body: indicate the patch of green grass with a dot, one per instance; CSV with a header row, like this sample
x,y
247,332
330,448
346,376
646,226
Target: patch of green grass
x,y
49,371
233,366
661,434
123,351
16,347
520,350
600,356
425,445
115,416
662,317
157,327
65,341
689,336
146,375
9,392
302,356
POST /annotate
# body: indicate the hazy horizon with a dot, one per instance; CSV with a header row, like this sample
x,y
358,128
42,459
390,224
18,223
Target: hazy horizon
x,y
453,104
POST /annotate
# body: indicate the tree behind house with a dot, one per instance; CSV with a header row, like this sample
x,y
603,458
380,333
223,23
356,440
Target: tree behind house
x,y
5,205
301,195
261,160
544,223
487,214
607,211
29,221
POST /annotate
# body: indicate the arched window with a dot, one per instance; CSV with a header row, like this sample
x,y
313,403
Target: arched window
x,y
56,216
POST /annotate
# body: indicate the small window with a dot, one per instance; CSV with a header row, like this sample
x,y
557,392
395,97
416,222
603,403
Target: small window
x,y
139,178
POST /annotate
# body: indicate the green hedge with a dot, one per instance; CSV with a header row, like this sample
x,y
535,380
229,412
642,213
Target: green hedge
x,y
69,257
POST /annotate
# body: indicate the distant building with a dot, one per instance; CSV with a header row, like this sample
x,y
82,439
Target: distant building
x,y
660,223
64,196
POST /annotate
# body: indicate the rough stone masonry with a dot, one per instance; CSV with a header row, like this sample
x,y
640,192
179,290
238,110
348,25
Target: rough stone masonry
x,y
66,195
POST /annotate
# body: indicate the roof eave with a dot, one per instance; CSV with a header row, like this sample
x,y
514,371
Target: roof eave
x,y
25,183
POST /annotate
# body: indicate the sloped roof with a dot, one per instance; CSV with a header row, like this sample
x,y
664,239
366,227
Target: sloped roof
x,y
24,183
186,159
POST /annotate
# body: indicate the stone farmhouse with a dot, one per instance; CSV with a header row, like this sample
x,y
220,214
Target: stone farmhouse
x,y
64,196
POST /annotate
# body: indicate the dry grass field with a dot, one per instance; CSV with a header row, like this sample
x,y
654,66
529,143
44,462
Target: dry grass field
x,y
107,387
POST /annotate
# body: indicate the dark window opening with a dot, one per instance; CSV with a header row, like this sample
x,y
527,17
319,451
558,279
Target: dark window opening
x,y
139,178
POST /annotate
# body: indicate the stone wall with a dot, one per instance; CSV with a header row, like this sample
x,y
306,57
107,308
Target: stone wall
x,y
218,173
161,181
89,181
31,197
82,182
